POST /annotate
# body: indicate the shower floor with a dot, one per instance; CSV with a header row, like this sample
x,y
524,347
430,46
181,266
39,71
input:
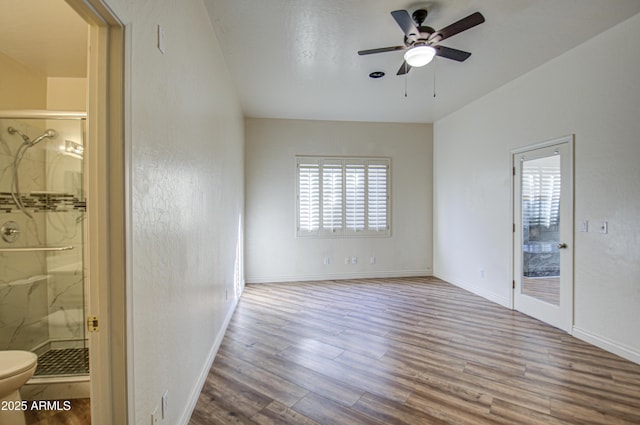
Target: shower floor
x,y
67,361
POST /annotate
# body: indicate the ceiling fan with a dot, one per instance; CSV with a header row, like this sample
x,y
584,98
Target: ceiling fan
x,y
422,43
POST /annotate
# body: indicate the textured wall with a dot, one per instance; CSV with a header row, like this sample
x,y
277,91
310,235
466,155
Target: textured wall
x,y
271,203
187,199
598,101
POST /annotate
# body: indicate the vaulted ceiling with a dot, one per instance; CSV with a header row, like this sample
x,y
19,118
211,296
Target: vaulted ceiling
x,y
297,58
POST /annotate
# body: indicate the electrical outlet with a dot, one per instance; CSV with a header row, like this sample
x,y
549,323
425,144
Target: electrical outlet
x,y
346,260
354,260
482,273
372,260
326,261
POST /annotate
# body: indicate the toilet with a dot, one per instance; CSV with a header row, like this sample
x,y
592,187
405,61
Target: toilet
x,y
16,368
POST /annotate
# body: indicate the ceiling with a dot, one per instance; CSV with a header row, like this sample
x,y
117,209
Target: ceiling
x,y
46,36
297,58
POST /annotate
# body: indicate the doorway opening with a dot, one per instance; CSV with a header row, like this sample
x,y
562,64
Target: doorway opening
x,y
76,64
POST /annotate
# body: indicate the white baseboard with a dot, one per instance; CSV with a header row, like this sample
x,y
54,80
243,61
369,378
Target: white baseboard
x,y
483,292
338,276
193,399
607,344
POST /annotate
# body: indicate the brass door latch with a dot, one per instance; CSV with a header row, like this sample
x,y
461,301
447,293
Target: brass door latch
x,y
92,324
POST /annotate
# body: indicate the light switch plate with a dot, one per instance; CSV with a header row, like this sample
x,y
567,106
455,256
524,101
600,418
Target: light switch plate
x,y
584,226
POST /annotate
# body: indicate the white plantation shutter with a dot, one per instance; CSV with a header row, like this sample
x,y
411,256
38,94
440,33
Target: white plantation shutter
x,y
541,195
355,197
308,197
343,196
332,197
377,197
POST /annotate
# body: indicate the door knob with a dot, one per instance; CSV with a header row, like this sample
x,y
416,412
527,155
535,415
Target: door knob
x,y
562,245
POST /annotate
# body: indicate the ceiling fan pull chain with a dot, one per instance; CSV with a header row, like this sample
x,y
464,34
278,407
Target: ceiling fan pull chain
x,y
405,81
434,77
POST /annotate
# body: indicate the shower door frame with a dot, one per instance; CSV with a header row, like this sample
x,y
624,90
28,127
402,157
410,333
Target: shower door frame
x,y
107,212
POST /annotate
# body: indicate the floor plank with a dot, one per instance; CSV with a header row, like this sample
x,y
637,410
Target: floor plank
x,y
405,351
78,413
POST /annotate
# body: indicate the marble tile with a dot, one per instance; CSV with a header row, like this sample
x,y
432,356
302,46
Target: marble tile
x,y
24,313
56,390
42,295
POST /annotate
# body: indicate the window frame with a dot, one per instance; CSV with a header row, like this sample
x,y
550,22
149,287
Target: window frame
x,y
344,163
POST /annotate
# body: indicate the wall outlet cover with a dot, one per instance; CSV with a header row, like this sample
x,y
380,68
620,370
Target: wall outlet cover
x,y
155,418
165,404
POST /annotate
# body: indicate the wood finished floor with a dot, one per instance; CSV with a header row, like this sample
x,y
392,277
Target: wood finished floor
x,y
545,289
80,414
405,351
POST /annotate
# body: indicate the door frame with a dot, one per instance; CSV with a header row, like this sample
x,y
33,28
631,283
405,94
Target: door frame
x,y
516,251
107,197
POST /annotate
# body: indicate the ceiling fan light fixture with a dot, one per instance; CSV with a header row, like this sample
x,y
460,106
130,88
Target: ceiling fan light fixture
x,y
419,56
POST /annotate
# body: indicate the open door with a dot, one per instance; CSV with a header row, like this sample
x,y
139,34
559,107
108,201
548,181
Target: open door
x,y
543,232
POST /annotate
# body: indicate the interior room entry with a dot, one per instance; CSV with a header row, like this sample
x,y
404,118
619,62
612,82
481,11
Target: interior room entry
x,y
543,231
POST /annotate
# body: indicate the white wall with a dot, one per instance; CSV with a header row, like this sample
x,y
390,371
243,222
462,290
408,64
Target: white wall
x,y
187,200
273,253
592,91
20,87
66,94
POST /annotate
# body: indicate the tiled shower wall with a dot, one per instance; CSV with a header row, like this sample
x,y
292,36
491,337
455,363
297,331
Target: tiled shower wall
x,y
41,294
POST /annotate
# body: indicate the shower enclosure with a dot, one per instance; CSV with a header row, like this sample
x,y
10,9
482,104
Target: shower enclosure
x,y
42,227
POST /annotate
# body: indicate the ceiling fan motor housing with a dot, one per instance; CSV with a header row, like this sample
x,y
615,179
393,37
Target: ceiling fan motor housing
x,y
420,16
419,39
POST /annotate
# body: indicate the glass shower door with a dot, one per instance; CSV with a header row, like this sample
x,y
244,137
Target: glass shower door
x,y
42,285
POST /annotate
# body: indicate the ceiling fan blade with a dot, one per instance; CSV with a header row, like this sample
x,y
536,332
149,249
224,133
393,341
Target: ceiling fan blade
x,y
404,69
405,22
381,50
449,53
457,27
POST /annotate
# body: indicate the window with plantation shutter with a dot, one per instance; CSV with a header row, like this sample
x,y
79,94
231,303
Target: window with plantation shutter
x,y
343,196
308,198
331,197
377,196
355,198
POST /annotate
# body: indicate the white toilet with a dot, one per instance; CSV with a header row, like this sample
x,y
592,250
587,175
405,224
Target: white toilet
x,y
16,368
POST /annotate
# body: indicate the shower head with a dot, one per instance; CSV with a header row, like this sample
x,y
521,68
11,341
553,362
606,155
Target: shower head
x,y
12,130
48,134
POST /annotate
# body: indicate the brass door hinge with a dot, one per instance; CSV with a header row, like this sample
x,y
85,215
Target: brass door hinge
x,y
92,324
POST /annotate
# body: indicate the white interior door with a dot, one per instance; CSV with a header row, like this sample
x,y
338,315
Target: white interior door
x,y
543,232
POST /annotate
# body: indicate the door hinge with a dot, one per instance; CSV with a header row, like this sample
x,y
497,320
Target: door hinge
x,y
92,324
513,284
514,171
514,227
